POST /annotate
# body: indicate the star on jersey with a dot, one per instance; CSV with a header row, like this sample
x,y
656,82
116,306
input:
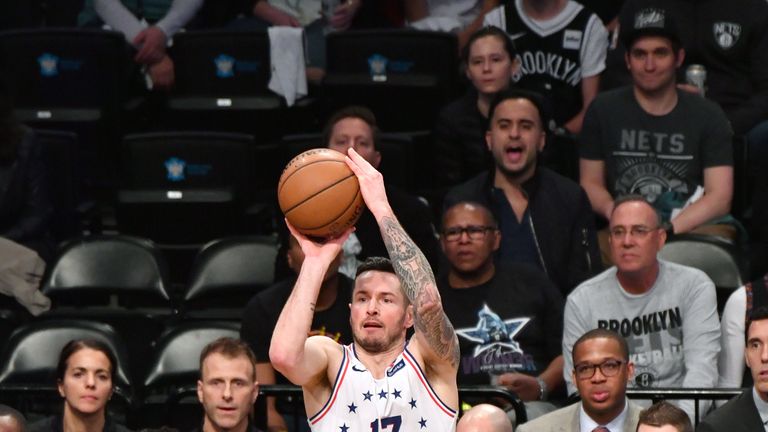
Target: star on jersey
x,y
367,395
352,408
422,423
343,428
382,394
397,393
491,331
412,403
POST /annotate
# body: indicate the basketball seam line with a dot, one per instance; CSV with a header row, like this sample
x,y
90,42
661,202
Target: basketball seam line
x,y
310,197
284,181
330,223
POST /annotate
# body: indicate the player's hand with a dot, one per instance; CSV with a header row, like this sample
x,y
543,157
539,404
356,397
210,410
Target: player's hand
x,y
525,386
371,183
151,44
343,14
275,16
327,250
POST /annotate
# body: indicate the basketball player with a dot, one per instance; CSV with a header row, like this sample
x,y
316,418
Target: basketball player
x,y
381,382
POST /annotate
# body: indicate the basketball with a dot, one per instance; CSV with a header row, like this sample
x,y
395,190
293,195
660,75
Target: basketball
x,y
319,195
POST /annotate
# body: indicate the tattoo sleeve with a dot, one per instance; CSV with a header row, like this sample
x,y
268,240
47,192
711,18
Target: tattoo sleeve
x,y
419,285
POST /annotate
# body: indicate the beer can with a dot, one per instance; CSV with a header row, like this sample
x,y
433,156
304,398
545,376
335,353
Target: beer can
x,y
696,75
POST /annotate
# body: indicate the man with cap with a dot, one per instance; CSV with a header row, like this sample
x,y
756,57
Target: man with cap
x,y
653,139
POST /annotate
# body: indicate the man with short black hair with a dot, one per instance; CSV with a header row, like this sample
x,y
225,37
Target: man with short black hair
x,y
602,368
227,387
749,410
545,218
666,311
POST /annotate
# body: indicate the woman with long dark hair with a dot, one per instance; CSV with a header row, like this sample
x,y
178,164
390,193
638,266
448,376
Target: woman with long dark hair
x,y
85,379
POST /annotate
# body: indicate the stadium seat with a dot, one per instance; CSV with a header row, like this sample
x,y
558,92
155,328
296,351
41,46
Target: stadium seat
x,y
227,273
221,82
404,76
70,79
720,259
185,187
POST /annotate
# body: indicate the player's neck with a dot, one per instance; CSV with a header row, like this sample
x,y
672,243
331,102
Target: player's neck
x,y
657,103
543,9
377,363
328,292
471,279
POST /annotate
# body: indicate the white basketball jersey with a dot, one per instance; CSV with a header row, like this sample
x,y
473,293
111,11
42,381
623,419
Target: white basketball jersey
x,y
402,401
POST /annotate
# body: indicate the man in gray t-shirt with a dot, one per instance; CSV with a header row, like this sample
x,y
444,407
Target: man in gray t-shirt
x,y
656,140
665,311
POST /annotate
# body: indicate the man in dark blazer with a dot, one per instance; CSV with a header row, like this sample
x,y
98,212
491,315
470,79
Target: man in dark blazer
x,y
749,410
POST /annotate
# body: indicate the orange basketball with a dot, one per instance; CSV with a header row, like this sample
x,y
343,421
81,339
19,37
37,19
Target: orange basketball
x,y
319,194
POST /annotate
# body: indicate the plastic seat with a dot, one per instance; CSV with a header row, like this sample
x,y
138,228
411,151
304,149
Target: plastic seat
x,y
185,187
417,69
221,82
90,270
720,259
31,354
227,273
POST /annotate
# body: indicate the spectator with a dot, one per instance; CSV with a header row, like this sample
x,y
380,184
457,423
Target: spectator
x,y
664,417
562,49
658,141
464,17
736,313
227,387
749,410
489,61
130,17
85,378
316,22
260,316
667,312
11,420
508,318
25,205
355,127
545,218
484,418
602,368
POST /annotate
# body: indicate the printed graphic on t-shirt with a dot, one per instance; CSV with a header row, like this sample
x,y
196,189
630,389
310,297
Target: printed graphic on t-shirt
x,y
496,350
651,163
548,64
655,343
726,33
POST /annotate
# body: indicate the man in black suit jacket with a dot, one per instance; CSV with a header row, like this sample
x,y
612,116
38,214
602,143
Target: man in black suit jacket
x,y
748,411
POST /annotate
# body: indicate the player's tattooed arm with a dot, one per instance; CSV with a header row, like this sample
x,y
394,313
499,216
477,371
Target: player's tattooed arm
x,y
420,287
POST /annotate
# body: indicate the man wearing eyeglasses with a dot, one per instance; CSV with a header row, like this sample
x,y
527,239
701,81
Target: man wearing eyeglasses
x,y
665,311
601,373
508,317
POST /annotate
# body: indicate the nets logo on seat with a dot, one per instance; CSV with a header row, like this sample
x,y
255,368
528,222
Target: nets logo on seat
x,y
175,168
178,169
51,65
227,66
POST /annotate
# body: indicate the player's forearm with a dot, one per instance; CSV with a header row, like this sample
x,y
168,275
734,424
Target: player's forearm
x,y
293,326
419,285
599,197
553,374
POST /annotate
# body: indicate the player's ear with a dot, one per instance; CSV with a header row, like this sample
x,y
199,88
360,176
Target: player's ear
x,y
409,316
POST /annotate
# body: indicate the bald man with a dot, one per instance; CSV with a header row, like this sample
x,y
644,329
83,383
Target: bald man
x,y
484,418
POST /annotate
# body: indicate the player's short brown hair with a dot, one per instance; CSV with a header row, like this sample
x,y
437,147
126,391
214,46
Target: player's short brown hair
x,y
664,413
230,348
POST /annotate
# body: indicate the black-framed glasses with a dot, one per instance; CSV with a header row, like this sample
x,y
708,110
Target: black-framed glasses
x,y
608,368
475,232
